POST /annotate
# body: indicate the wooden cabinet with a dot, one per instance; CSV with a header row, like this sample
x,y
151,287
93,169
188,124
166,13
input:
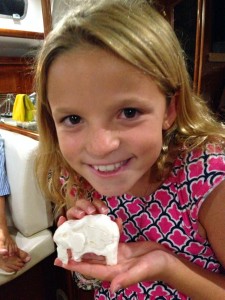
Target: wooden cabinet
x,y
200,27
212,76
16,75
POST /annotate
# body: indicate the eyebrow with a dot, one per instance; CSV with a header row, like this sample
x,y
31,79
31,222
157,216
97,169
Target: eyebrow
x,y
132,101
120,102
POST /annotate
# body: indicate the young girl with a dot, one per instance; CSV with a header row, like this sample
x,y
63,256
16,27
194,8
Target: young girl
x,y
122,132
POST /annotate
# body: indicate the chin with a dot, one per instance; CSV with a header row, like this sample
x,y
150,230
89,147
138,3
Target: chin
x,y
110,193
110,189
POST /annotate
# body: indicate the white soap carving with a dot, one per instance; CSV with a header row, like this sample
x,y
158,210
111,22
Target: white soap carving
x,y
96,234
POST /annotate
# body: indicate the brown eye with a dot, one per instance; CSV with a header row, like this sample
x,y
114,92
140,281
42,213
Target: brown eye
x,y
71,120
130,112
74,119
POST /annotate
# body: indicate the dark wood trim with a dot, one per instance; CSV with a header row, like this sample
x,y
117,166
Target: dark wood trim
x,y
202,42
197,45
21,34
47,16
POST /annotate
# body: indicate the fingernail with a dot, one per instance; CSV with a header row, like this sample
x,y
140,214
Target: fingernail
x,y
80,213
57,263
91,210
27,259
61,218
104,210
116,288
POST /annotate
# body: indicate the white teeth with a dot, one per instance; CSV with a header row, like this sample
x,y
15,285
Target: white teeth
x,y
108,168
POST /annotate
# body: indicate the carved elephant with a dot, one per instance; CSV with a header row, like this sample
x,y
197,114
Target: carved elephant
x,y
96,234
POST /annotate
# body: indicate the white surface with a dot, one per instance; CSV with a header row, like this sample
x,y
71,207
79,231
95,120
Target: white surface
x,y
29,210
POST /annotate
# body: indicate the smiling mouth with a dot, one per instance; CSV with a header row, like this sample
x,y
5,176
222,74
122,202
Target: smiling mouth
x,y
110,167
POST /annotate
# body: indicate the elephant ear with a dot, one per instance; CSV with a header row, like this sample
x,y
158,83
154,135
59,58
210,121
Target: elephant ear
x,y
78,241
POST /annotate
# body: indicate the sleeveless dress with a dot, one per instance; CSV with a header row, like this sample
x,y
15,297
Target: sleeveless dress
x,y
169,216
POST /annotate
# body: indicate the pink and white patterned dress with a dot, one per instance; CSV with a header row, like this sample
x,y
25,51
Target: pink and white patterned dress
x,y
169,216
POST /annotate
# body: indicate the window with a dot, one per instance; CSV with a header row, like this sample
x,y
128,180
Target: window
x,y
15,9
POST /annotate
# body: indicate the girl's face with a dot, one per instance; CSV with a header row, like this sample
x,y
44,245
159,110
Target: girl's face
x,y
109,118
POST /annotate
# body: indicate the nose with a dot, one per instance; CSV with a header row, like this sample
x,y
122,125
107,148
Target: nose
x,y
100,142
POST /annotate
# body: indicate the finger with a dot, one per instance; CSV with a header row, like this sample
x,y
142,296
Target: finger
x,y
81,208
119,223
74,213
99,271
17,266
24,256
93,258
16,249
61,220
86,206
69,254
12,249
100,206
3,251
124,279
7,269
94,261
12,264
58,262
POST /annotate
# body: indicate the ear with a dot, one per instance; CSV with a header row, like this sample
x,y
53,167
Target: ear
x,y
170,114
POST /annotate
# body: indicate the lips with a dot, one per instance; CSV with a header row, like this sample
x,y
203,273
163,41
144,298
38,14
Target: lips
x,y
109,167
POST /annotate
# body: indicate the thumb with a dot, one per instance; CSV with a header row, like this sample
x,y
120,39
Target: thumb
x,y
132,276
61,220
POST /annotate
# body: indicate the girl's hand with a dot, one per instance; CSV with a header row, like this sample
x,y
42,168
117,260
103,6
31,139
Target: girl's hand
x,y
84,207
149,261
139,261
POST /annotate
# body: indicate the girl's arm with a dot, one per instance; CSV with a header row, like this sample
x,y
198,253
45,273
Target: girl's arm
x,y
212,219
194,281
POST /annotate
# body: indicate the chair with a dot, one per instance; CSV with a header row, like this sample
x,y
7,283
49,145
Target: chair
x,y
29,214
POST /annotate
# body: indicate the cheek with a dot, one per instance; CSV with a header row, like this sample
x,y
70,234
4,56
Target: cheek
x,y
150,139
67,147
150,148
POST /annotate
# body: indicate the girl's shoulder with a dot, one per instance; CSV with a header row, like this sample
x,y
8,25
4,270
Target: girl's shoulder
x,y
197,172
210,155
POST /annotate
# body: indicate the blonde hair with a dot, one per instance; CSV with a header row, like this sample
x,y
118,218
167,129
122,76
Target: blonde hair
x,y
135,31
